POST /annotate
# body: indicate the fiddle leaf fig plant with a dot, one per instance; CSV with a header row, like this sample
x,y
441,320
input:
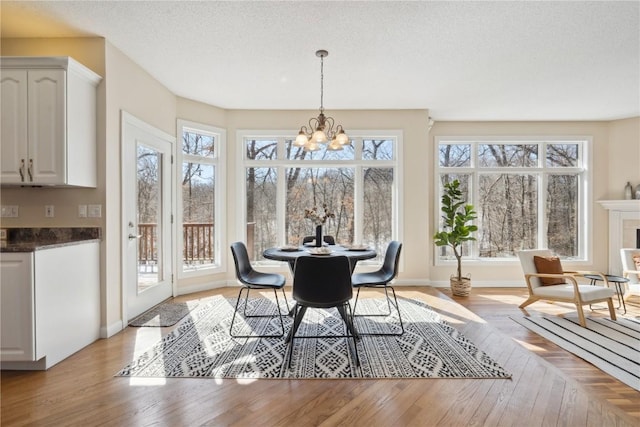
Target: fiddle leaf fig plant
x,y
457,217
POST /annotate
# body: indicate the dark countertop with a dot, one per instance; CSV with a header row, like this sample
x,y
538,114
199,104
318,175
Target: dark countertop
x,y
33,239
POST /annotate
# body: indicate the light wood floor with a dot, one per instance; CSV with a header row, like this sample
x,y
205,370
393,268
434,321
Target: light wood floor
x,y
549,385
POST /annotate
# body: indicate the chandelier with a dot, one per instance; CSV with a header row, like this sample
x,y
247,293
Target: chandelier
x,y
320,130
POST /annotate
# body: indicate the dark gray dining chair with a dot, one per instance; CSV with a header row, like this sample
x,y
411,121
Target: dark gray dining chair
x,y
381,279
328,239
322,282
252,279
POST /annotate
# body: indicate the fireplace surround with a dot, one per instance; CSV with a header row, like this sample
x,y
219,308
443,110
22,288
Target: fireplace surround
x,y
624,230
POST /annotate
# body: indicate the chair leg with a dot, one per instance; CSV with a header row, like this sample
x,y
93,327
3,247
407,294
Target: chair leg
x,y
235,311
389,304
347,317
299,314
581,318
246,299
530,300
398,309
612,310
286,303
355,305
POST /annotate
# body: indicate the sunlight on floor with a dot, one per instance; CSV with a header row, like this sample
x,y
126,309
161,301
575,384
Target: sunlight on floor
x,y
529,346
145,338
145,382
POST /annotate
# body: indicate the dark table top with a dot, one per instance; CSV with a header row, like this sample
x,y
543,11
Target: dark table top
x,y
279,254
610,278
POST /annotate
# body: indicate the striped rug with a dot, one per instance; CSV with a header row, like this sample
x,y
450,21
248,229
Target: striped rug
x,y
612,346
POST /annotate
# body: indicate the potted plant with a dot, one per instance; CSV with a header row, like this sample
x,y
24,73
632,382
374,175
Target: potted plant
x,y
457,229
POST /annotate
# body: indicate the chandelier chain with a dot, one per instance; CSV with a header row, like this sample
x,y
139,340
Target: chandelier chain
x,y
321,83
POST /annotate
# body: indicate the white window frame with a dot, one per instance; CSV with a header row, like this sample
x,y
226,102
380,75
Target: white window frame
x,y
281,164
218,161
585,143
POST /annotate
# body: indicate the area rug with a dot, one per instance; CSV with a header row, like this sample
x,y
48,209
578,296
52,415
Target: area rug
x,y
612,346
165,314
201,346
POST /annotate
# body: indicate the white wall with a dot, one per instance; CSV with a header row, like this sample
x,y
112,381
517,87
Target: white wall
x,y
130,89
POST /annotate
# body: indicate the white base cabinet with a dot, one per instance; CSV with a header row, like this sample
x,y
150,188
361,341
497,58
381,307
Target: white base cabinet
x,y
50,304
48,123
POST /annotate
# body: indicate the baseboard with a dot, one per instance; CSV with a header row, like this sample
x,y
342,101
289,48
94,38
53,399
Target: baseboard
x,y
112,329
200,287
39,365
446,284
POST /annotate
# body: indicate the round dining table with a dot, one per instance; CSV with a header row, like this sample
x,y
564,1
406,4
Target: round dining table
x,y
291,254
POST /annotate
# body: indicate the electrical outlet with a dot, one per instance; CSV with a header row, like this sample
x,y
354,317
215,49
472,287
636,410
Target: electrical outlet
x,y
49,211
94,211
82,211
3,234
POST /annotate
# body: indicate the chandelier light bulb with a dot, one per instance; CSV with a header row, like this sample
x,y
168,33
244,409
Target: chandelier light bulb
x,y
311,146
301,139
334,145
342,138
319,136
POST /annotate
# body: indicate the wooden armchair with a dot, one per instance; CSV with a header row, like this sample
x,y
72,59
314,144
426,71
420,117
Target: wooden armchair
x,y
567,288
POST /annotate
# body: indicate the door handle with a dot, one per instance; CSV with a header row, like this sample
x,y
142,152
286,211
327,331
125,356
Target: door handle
x,y
131,236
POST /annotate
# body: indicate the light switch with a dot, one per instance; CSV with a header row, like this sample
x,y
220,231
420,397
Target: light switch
x,y
9,211
49,211
82,211
94,211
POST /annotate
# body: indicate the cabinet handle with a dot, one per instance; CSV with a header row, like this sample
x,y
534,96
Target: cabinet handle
x,y
30,170
21,170
131,236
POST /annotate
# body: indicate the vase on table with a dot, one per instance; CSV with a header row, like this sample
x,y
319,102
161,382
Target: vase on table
x,y
318,236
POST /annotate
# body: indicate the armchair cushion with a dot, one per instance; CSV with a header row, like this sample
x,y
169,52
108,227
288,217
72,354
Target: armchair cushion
x,y
549,265
587,292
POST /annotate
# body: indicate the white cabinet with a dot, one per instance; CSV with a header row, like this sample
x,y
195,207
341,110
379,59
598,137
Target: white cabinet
x,y
48,122
49,304
16,313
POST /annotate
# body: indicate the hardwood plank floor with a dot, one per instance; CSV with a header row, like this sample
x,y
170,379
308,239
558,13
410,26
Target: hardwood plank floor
x,y
549,386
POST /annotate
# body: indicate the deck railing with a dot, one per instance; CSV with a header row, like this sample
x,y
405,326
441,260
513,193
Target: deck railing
x,y
197,244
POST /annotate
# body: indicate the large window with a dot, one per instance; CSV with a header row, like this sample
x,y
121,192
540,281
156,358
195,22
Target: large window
x,y
199,195
358,184
527,193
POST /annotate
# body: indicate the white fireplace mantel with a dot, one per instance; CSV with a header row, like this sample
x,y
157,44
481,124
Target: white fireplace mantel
x,y
619,212
621,205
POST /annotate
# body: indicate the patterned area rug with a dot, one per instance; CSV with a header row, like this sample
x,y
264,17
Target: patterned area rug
x,y
612,346
165,314
201,346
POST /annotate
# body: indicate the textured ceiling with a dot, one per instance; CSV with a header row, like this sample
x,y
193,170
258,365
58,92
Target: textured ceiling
x,y
461,60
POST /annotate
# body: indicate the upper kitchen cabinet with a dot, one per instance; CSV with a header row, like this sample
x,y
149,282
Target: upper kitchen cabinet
x,y
48,122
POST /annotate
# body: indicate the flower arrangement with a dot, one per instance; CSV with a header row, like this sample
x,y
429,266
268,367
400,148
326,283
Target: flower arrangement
x,y
319,219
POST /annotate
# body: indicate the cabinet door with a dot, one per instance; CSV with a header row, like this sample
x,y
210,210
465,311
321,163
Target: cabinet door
x,y
47,130
13,126
17,320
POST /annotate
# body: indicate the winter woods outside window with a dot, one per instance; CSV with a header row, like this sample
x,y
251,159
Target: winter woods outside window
x,y
199,195
357,184
528,194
